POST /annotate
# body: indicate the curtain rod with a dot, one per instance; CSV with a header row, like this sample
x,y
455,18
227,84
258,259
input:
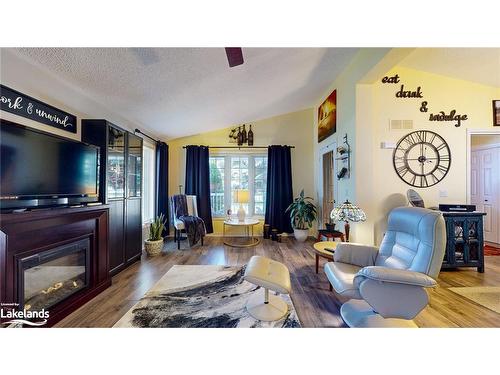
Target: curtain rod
x,y
147,136
239,147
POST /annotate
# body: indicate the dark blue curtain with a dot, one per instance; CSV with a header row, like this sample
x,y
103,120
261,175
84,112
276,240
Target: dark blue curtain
x,y
279,188
198,181
162,183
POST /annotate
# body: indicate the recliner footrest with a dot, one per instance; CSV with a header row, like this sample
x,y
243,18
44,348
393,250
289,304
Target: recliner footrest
x,y
359,314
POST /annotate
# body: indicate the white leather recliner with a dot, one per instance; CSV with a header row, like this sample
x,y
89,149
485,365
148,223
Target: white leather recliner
x,y
387,284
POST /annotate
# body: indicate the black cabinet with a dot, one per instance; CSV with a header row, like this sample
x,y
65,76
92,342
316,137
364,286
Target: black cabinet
x,y
133,237
116,234
120,186
464,240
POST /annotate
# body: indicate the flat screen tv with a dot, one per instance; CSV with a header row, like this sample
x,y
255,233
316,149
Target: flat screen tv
x,y
40,169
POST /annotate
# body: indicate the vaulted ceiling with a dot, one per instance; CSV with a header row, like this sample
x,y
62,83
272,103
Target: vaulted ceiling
x,y
480,65
175,92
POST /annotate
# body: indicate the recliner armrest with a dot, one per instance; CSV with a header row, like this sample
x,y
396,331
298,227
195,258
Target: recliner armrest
x,y
357,254
391,275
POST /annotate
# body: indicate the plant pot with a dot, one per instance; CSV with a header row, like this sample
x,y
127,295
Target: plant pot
x,y
153,247
301,234
330,227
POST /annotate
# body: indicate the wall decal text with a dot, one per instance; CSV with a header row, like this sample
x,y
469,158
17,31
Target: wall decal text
x,y
393,79
402,93
23,105
441,116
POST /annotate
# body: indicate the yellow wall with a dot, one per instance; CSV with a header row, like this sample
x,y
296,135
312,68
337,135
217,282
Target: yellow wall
x,y
384,189
289,129
345,84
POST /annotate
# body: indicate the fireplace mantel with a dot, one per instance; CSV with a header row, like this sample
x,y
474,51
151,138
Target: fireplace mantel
x,y
33,232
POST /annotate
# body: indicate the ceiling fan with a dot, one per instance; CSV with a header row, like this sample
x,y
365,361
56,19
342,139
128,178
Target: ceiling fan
x,y
234,56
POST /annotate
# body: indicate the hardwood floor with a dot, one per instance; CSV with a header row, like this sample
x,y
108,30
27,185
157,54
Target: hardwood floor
x,y
316,306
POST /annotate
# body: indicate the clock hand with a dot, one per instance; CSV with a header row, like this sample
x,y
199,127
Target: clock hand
x,y
418,159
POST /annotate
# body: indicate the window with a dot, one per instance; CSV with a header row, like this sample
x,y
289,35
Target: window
x,y
229,173
239,180
217,185
148,183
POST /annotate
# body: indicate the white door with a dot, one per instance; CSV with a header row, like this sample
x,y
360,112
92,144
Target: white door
x,y
474,179
485,189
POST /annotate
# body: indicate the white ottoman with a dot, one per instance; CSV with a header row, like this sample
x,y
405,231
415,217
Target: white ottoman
x,y
272,275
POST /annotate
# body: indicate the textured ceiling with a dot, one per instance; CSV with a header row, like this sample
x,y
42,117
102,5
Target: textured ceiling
x,y
174,92
480,65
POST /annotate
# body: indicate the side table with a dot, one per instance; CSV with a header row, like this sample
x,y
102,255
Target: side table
x,y
320,250
330,235
248,224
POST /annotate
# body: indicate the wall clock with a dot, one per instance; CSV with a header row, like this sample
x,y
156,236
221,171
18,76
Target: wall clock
x,y
422,158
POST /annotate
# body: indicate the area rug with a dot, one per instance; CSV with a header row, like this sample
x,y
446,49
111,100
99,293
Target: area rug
x,y
491,251
487,296
201,297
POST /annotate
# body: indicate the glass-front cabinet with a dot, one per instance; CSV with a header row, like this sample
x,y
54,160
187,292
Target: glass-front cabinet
x,y
134,166
120,188
464,242
116,163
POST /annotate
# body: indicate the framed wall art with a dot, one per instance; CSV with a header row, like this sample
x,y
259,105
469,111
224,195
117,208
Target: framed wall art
x,y
327,117
496,112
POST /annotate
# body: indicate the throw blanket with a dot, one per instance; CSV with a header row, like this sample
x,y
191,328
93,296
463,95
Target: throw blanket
x,y
194,225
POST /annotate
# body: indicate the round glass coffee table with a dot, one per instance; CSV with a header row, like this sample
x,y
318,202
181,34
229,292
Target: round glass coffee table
x,y
322,249
248,224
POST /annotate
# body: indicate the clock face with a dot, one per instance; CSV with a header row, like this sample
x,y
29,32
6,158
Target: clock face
x,y
422,158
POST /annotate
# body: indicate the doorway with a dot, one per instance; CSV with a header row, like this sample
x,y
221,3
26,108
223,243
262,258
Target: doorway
x,y
484,181
328,183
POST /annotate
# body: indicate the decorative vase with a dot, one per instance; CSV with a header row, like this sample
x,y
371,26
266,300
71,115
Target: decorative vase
x,y
267,231
241,214
240,137
274,234
300,234
250,136
244,135
153,247
330,227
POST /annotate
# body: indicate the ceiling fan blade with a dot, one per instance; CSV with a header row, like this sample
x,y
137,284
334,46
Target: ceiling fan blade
x,y
234,56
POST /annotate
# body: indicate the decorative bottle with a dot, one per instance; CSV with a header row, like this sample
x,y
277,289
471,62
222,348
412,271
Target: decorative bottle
x,y
240,136
250,136
244,135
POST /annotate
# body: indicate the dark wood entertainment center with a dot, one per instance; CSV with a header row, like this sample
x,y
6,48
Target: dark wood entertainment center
x,y
56,257
33,234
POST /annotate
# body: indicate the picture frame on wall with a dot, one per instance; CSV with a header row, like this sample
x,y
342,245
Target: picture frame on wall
x,y
327,117
496,112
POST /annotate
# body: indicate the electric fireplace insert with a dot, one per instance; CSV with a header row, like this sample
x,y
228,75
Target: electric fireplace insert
x,y
49,277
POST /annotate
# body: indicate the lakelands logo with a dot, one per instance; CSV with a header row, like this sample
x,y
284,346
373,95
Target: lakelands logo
x,y
15,316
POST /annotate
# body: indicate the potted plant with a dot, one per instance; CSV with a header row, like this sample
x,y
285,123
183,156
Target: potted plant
x,y
302,214
154,243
